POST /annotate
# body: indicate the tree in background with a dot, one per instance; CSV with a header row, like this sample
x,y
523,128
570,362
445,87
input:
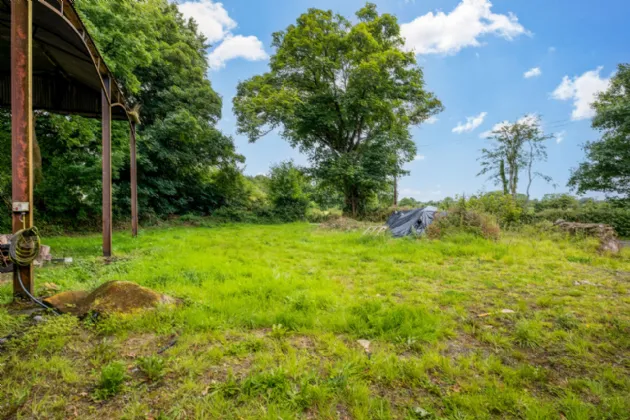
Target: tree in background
x,y
162,60
287,191
344,94
516,147
607,164
557,202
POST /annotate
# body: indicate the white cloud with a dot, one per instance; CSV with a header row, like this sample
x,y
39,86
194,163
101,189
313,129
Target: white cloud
x,y
212,18
247,47
535,72
419,157
448,33
560,136
215,23
582,90
470,124
431,120
551,50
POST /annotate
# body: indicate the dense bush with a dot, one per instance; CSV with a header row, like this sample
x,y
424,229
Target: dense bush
x,y
507,211
287,192
618,218
461,219
556,201
315,215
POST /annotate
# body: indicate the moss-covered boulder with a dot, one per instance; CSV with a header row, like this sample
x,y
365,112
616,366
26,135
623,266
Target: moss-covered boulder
x,y
110,297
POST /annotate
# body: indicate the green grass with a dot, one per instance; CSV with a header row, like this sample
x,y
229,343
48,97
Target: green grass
x,y
271,316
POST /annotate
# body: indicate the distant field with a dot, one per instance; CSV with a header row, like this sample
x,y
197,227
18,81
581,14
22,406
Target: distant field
x,y
528,327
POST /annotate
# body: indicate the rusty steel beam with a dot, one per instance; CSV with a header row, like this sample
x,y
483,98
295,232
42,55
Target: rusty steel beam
x,y
22,127
134,181
106,122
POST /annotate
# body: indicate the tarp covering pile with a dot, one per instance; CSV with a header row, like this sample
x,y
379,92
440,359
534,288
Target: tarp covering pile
x,y
416,221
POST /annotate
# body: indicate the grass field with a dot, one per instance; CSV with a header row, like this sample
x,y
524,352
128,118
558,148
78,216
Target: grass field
x,y
272,314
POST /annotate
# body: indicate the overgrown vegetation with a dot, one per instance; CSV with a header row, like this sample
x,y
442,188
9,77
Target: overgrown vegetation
x,y
460,220
459,328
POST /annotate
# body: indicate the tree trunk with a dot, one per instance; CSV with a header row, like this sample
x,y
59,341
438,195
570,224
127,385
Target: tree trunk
x,y
395,191
352,203
513,180
529,169
504,180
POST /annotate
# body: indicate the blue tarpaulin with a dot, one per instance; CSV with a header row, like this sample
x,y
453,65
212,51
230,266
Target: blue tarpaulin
x,y
403,223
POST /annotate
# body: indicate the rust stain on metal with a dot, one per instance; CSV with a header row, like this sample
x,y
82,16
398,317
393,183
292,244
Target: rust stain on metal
x,y
107,168
22,126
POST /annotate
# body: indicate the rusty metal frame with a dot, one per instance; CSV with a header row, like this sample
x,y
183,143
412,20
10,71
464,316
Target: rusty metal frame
x,y
22,128
22,36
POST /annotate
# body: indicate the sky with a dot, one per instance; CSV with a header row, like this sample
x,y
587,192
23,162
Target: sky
x,y
488,62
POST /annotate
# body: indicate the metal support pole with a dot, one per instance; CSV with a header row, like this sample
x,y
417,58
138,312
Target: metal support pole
x,y
106,118
22,129
134,182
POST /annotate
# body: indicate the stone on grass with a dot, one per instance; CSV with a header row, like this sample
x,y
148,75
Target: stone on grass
x,y
365,344
111,297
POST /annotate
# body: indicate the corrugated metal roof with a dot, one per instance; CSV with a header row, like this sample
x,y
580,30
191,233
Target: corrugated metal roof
x,y
68,69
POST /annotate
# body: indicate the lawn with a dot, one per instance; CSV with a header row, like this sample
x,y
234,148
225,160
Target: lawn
x,y
532,326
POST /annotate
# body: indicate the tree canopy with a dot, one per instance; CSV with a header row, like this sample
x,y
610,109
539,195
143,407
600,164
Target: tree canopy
x,y
607,165
344,94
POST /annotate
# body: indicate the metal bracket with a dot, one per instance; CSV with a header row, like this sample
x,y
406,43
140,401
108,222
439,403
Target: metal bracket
x,y
21,207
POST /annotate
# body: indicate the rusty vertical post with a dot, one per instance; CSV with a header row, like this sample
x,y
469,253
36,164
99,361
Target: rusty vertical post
x,y
106,119
134,181
22,129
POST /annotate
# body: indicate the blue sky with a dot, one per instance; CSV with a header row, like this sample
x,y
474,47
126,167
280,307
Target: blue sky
x,y
475,55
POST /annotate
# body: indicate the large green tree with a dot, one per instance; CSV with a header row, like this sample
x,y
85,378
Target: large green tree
x,y
345,94
607,165
161,59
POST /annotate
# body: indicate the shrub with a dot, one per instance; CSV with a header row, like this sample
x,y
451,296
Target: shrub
x,y
315,215
461,220
287,192
507,211
111,382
